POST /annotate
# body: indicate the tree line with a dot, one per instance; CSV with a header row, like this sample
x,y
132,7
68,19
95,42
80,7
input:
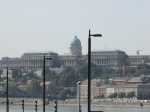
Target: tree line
x,y
67,78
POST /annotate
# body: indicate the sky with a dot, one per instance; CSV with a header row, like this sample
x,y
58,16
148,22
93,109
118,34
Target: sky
x,y
51,25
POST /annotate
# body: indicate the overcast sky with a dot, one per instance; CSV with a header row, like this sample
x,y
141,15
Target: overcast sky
x,y
50,25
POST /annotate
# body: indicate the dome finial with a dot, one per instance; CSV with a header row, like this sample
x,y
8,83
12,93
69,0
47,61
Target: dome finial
x,y
75,35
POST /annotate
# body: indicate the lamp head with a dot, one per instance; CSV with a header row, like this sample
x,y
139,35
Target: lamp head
x,y
48,58
79,82
96,35
55,101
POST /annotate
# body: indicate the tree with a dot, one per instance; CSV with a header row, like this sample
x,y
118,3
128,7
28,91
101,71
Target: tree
x,y
113,95
1,71
14,91
62,95
16,74
82,71
130,71
131,94
31,75
101,96
121,95
34,88
23,80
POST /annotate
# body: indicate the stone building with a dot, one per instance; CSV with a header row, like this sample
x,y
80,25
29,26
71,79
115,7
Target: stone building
x,y
122,88
105,58
137,88
84,88
10,63
101,90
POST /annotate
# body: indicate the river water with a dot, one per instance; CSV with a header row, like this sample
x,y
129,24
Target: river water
x,y
74,108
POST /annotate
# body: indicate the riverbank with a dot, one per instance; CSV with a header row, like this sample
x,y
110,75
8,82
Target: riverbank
x,y
27,101
31,101
109,103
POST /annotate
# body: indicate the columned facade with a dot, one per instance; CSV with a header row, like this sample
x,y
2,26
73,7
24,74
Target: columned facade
x,y
105,58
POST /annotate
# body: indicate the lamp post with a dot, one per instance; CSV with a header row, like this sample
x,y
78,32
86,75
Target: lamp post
x,y
7,101
79,94
89,68
23,105
44,81
36,106
55,107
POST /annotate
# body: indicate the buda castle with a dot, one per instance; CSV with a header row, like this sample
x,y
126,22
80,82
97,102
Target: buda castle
x,y
104,58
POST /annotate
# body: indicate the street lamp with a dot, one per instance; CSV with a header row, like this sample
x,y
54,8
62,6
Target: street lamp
x,y
7,101
45,58
89,68
79,94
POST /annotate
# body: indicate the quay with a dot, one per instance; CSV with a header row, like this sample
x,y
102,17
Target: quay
x,y
31,101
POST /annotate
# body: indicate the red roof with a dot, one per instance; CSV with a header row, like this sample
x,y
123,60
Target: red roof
x,y
46,83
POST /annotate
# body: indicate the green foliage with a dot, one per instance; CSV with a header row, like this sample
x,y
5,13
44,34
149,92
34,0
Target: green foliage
x,y
101,96
50,75
121,95
96,72
16,74
131,94
68,79
34,88
113,95
70,76
1,71
31,75
14,91
82,71
23,80
62,95
141,66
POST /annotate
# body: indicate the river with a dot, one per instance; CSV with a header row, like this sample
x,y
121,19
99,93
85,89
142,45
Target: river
x,y
74,108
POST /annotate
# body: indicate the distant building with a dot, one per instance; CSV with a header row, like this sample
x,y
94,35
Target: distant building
x,y
137,88
120,80
84,88
22,87
10,63
101,90
131,80
122,88
104,58
3,86
140,85
139,80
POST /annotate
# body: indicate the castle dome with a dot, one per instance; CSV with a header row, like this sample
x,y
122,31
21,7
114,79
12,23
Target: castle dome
x,y
75,42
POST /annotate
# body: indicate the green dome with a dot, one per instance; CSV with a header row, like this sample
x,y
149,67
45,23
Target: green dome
x,y
75,42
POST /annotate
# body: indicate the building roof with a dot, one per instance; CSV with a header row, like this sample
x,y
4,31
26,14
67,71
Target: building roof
x,y
46,83
120,79
75,42
21,86
12,59
40,52
93,81
103,86
135,79
124,86
108,50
